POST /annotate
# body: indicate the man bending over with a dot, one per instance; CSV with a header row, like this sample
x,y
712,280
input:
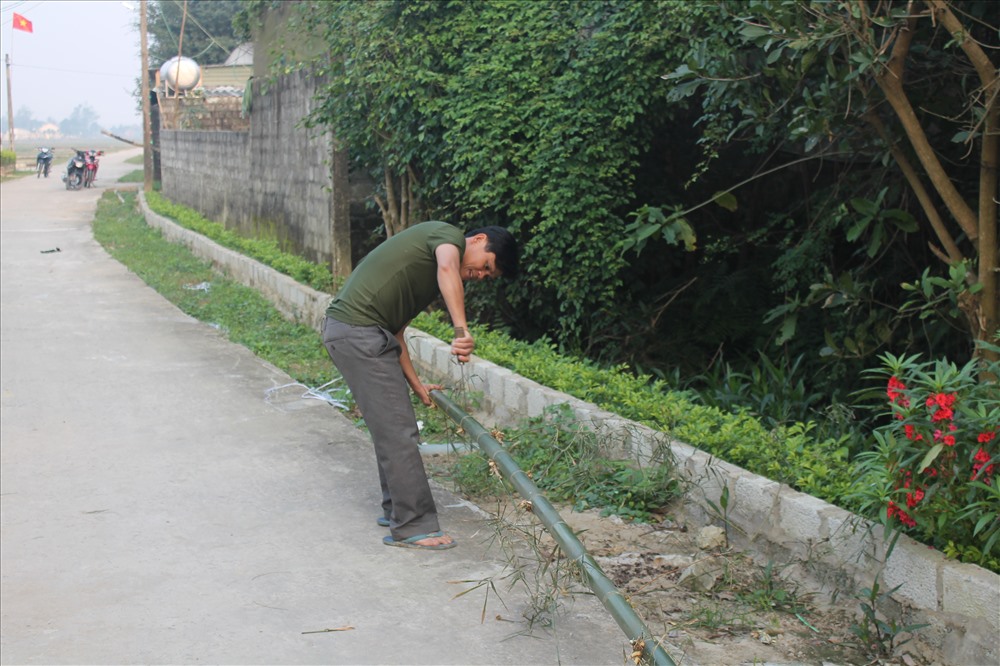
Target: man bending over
x,y
363,333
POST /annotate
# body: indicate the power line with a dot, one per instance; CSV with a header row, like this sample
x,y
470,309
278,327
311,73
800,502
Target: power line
x,y
211,38
14,6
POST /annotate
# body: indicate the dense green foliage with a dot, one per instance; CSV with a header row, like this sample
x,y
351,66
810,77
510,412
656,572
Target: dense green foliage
x,y
699,188
265,251
8,158
517,113
896,104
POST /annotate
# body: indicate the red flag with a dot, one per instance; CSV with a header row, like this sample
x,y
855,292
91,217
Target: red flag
x,y
21,23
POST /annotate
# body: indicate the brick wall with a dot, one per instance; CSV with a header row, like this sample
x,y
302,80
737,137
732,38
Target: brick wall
x,y
203,112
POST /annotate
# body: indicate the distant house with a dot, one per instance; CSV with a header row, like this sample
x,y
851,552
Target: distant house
x,y
241,55
49,131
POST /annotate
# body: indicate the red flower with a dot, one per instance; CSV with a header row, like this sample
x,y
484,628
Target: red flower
x,y
895,392
986,437
943,414
949,440
981,458
912,434
905,518
941,400
913,498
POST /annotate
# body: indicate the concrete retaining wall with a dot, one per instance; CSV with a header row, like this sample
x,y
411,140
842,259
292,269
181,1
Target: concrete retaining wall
x,y
834,550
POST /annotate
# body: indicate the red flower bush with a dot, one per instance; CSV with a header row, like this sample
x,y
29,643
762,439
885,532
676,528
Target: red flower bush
x,y
931,474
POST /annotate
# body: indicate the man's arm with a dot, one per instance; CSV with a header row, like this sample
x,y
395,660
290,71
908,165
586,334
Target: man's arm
x,y
449,278
422,390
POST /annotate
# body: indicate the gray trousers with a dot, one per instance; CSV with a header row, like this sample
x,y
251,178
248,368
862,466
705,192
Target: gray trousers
x,y
368,358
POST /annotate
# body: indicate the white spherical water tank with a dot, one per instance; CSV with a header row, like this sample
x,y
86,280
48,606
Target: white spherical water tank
x,y
180,73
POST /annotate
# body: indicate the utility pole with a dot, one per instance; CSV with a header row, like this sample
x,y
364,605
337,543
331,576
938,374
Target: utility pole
x,y
10,108
147,134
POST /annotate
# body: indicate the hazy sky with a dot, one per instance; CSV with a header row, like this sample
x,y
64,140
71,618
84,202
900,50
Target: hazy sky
x,y
81,52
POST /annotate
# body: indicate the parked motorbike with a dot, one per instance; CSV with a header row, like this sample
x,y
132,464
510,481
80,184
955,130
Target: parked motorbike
x,y
90,167
75,170
43,161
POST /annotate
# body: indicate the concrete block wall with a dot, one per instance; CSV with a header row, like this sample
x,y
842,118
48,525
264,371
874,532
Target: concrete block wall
x,y
822,546
198,169
275,179
291,190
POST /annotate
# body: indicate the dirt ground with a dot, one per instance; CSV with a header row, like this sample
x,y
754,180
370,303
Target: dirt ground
x,y
709,605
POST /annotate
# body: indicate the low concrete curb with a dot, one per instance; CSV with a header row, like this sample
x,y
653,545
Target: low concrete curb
x,y
835,551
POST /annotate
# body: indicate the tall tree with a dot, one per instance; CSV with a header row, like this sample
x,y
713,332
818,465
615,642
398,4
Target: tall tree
x,y
82,122
911,84
24,119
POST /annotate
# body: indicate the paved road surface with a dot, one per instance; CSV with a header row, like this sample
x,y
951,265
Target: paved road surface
x,y
157,508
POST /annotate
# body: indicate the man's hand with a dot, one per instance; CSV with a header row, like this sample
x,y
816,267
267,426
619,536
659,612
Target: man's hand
x,y
463,344
423,392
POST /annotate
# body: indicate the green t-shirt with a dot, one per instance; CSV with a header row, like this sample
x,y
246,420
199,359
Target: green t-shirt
x,y
396,280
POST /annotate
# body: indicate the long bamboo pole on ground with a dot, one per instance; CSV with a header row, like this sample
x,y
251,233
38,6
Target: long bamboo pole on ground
x,y
616,604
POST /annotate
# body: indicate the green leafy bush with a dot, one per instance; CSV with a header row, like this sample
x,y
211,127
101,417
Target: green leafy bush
x,y
264,251
8,158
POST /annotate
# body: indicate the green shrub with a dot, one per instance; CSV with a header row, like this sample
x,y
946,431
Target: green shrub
x,y
571,464
788,454
8,158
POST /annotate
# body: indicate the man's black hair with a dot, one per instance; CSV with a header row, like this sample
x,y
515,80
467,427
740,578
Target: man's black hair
x,y
500,242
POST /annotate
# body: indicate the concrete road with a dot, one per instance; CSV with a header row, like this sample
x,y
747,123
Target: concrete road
x,y
159,506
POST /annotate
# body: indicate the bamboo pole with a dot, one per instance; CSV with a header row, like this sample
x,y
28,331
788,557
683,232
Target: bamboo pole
x,y
616,604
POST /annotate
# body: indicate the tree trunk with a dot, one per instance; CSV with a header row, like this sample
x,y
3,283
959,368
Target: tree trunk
x,y
989,273
400,208
980,309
